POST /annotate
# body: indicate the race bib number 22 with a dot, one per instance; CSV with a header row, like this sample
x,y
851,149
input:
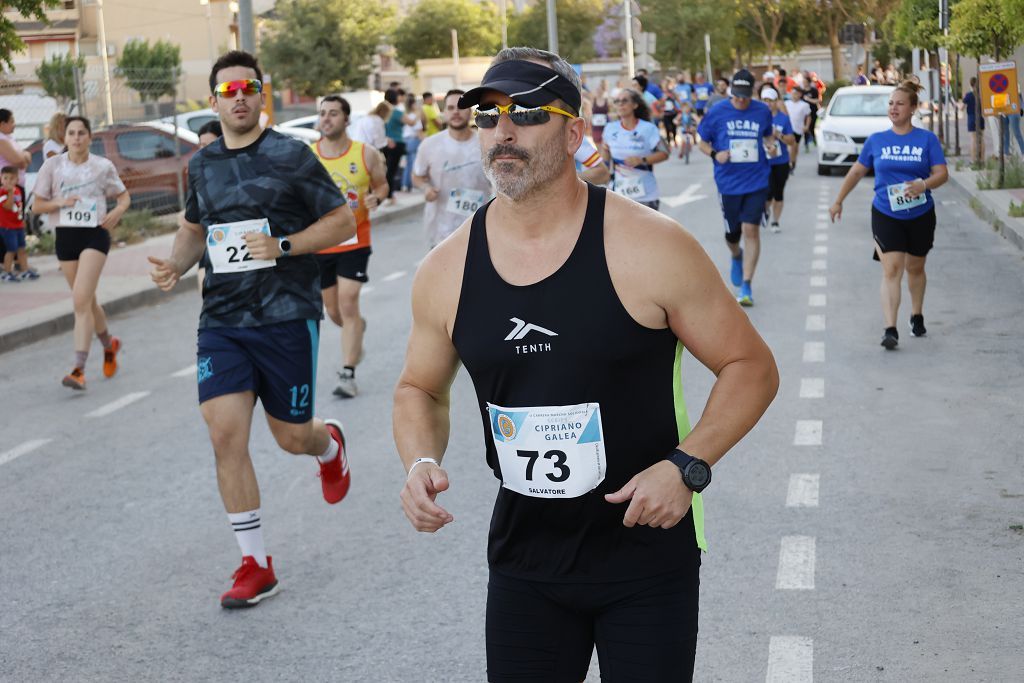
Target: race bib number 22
x,y
549,451
228,251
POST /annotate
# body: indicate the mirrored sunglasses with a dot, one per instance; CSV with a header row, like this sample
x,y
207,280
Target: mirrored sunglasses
x,y
248,86
520,116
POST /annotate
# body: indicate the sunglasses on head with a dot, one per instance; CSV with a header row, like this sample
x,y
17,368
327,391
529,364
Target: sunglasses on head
x,y
520,116
248,86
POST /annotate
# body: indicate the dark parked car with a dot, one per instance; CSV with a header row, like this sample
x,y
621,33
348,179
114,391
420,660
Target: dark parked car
x,y
146,158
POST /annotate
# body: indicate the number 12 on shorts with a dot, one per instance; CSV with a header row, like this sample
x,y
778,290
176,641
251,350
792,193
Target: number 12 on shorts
x,y
300,395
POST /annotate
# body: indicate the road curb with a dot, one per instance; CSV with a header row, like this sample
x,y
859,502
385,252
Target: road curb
x,y
991,213
66,322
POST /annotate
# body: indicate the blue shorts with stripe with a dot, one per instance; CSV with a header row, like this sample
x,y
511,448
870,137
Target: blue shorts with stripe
x,y
276,362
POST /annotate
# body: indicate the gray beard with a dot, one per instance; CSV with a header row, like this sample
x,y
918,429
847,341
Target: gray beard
x,y
541,167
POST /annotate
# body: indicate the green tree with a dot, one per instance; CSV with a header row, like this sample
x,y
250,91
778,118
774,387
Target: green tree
x,y
150,70
680,26
915,23
323,46
57,76
425,33
9,40
767,22
980,28
577,22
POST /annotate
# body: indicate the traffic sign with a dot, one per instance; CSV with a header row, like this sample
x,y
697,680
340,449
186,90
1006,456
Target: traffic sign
x,y
999,94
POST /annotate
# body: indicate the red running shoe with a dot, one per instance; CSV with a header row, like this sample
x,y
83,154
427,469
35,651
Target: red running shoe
x,y
252,584
110,357
335,477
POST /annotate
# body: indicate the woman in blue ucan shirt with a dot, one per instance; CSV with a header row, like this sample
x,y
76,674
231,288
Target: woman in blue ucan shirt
x,y
908,164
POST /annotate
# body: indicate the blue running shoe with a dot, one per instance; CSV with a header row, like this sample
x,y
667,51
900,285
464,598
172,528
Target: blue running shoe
x,y
746,297
737,270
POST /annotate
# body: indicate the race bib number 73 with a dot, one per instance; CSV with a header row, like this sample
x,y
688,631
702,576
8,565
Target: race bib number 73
x,y
549,451
228,250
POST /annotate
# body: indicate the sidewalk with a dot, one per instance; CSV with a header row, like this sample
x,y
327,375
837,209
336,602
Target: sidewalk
x,y
33,310
992,206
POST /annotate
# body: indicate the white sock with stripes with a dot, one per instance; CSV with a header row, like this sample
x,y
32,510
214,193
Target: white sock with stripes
x,y
331,453
249,534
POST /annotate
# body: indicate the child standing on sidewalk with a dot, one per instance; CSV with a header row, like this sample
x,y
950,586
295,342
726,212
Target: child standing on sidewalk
x,y
12,226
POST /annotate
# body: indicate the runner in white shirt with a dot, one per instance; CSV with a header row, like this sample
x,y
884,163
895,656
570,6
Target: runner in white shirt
x,y
799,117
449,168
634,144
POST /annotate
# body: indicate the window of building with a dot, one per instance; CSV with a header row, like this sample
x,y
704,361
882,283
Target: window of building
x,y
57,48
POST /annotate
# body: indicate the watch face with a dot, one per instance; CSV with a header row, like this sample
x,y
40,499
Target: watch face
x,y
699,474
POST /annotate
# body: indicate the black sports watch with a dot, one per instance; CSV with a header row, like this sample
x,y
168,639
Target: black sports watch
x,y
285,244
695,472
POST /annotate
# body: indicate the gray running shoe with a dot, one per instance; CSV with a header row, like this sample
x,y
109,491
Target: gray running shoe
x,y
346,386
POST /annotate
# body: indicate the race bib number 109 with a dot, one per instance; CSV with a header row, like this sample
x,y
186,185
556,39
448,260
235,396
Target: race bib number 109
x,y
84,214
228,251
549,451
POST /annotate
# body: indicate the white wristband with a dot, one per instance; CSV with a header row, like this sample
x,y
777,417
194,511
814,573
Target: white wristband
x,y
419,461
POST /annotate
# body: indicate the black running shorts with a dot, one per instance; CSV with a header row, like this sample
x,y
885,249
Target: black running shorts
x,y
644,629
351,265
914,236
71,242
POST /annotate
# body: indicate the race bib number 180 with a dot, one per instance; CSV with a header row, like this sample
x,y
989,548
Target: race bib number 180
x,y
228,251
549,451
465,202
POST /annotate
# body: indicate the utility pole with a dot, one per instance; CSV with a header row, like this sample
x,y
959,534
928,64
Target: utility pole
x,y
707,56
105,64
503,8
455,57
627,13
552,28
246,35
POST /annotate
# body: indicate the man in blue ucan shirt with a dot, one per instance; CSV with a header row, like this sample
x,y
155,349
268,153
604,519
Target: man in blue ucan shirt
x,y
739,137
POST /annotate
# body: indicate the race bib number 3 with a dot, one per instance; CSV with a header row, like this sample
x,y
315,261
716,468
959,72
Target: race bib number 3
x,y
743,151
228,251
551,451
84,214
465,202
898,199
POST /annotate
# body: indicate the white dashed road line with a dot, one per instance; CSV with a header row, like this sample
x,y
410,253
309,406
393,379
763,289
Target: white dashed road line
x,y
796,563
815,323
819,264
812,387
790,660
185,372
820,250
819,281
22,449
817,300
803,491
814,352
821,237
808,433
366,290
398,274
113,406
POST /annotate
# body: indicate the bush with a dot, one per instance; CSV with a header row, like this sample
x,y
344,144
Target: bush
x,y
137,225
1016,210
831,88
43,243
1013,174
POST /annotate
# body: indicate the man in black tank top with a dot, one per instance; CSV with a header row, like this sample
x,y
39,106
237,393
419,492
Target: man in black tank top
x,y
570,309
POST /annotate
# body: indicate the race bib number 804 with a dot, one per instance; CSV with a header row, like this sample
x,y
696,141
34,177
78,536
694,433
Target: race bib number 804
x,y
228,250
549,451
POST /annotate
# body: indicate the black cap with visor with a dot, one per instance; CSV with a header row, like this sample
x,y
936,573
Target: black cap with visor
x,y
528,84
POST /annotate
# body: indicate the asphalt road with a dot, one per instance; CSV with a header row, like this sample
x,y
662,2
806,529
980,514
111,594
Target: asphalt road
x,y
868,529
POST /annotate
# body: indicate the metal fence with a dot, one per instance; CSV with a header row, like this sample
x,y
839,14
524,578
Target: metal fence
x,y
132,118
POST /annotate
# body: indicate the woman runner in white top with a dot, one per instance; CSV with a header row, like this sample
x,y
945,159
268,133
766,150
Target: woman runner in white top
x,y
633,144
72,188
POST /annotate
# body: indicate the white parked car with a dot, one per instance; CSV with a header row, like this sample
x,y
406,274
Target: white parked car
x,y
853,113
193,120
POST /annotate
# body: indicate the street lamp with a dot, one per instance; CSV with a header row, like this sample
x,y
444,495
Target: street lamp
x,y
209,29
